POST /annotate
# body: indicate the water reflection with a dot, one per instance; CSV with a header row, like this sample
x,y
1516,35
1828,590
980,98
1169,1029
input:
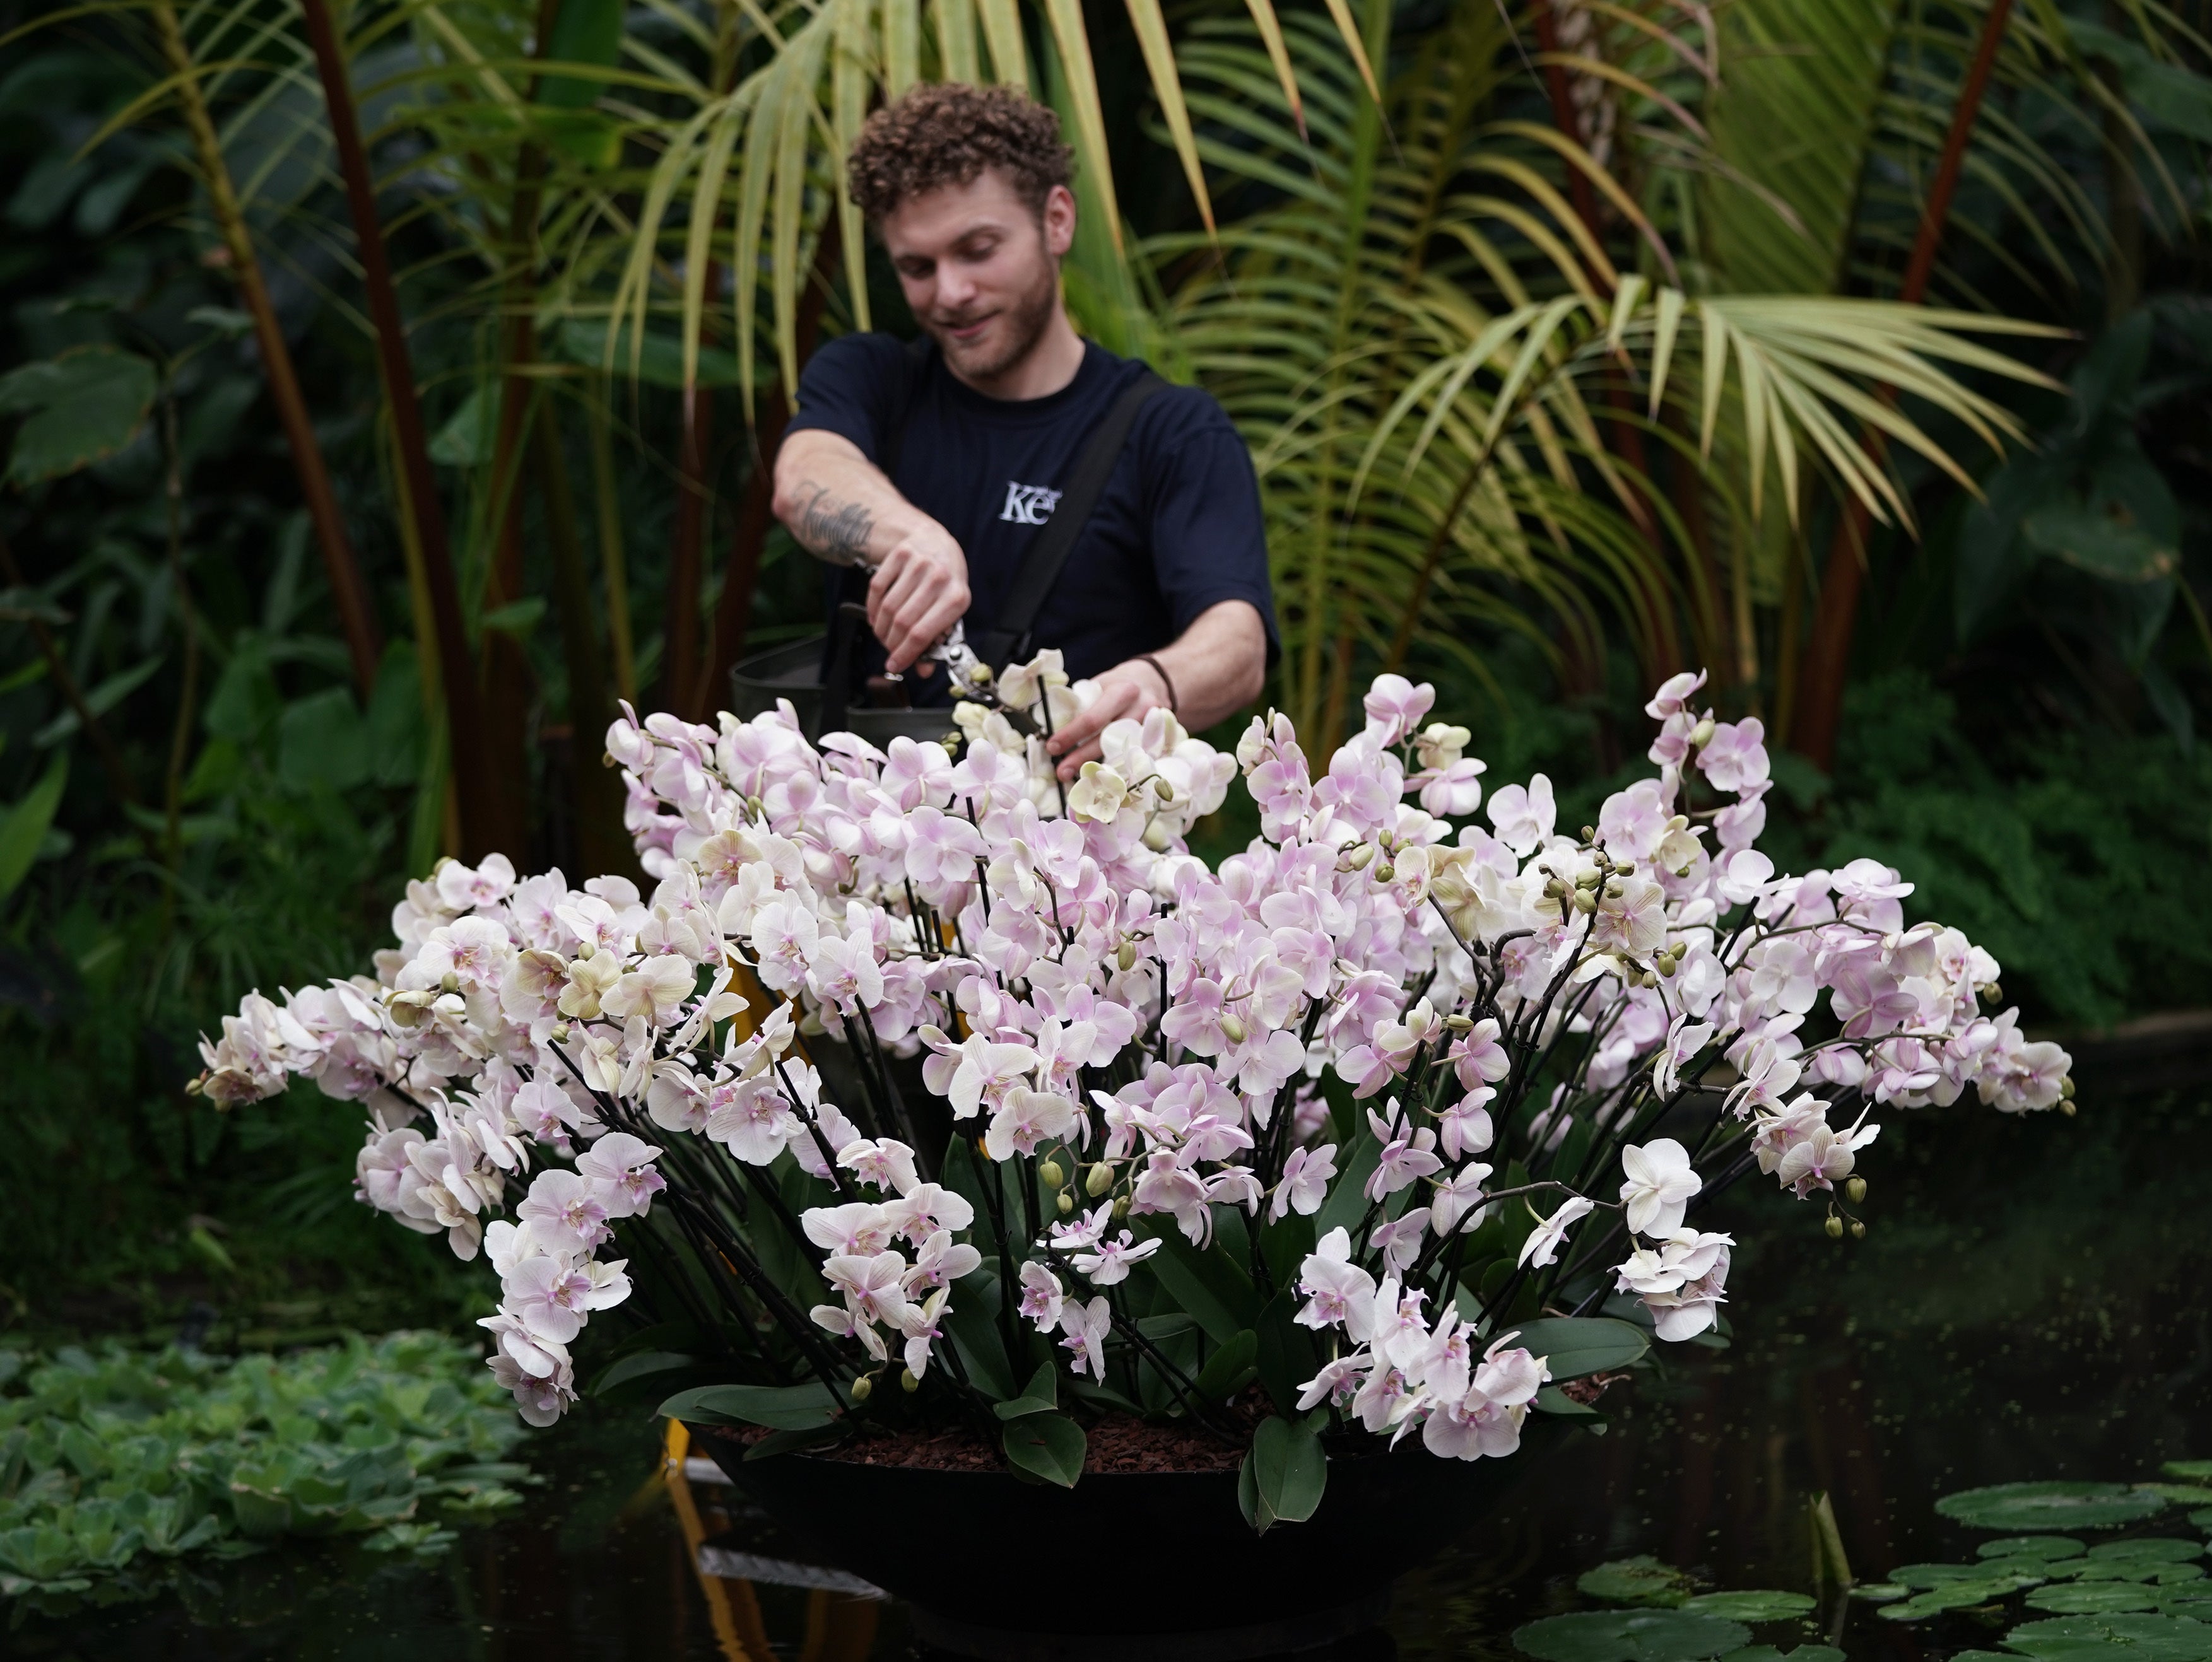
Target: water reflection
x,y
2029,1304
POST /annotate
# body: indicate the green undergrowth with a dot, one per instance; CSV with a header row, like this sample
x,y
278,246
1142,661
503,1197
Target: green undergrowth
x,y
117,1464
2057,1597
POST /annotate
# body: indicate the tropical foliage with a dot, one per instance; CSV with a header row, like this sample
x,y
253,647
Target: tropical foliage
x,y
1468,325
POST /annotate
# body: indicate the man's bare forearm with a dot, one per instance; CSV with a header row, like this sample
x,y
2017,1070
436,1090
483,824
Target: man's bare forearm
x,y
837,503
835,528
1218,665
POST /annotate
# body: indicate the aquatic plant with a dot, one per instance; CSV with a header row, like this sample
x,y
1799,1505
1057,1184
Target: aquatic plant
x,y
113,1462
1402,1119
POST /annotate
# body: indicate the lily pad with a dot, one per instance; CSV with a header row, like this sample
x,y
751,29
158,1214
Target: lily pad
x,y
2147,1549
1751,1605
2189,1471
2053,1506
2183,1494
1880,1592
1639,1580
1952,1595
1936,1575
2047,1547
2092,1598
2095,1638
1647,1635
1802,1653
2201,1518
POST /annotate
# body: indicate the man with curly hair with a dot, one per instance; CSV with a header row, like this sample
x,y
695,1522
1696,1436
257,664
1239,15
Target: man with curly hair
x,y
938,466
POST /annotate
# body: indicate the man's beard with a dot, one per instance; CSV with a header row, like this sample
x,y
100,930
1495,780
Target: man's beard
x,y
1025,321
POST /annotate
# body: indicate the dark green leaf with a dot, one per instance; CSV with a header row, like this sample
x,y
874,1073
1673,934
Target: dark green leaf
x,y
1209,1284
1230,1368
643,1365
1802,1653
2048,1548
661,360
2147,1549
2102,539
321,739
583,32
1639,1580
1286,1356
2082,1638
2055,1506
1751,1605
1647,1635
780,1407
1577,1346
1040,1396
1047,1446
791,1442
79,408
1284,1475
1936,1575
2092,1598
27,823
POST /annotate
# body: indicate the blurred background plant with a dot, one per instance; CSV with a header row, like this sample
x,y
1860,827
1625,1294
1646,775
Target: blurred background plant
x,y
383,392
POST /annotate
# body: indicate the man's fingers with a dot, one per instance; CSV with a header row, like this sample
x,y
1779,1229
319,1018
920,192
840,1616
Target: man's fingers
x,y
907,611
1113,702
1073,765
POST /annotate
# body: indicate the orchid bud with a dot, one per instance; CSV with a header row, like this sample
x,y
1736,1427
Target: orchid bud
x,y
1385,872
1066,1201
951,742
1667,966
1125,956
1990,992
1589,834
1613,889
1120,1208
908,1379
755,807
1588,877
1460,1023
449,982
1049,1174
1855,1190
1158,837
2066,1106
981,672
1100,1180
2066,1089
1858,1230
559,1032
1835,1227
1358,858
862,1388
1231,1028
1585,902
1701,734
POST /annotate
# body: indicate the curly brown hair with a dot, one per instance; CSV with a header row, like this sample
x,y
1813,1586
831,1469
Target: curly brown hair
x,y
949,134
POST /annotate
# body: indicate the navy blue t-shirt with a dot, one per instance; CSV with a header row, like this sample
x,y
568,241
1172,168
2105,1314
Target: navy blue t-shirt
x,y
1177,530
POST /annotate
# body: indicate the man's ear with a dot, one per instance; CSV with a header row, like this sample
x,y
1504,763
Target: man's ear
x,y
1058,221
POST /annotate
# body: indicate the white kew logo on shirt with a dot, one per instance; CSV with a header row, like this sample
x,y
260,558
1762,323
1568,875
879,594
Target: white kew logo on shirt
x,y
1028,505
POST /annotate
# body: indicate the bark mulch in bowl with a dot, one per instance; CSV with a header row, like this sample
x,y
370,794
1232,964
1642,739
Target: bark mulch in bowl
x,y
1116,1443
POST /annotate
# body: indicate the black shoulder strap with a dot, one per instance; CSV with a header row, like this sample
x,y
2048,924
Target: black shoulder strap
x,y
1007,641
917,366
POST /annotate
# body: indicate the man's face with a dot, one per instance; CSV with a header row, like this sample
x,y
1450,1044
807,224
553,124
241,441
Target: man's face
x,y
980,269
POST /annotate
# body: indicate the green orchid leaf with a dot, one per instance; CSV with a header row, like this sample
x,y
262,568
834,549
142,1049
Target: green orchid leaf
x,y
1575,1347
1284,1475
779,1407
1049,1447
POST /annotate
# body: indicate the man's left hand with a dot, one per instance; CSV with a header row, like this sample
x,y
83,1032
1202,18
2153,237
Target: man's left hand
x,y
1134,690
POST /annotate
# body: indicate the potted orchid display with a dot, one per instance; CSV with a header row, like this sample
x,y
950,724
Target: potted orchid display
x,y
935,1123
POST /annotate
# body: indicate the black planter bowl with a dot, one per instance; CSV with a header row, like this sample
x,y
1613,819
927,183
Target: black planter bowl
x,y
1178,1574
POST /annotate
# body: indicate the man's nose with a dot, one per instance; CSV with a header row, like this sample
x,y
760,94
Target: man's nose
x,y
955,289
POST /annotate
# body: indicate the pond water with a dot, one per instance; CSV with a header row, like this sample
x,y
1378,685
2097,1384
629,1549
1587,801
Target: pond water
x,y
2030,1303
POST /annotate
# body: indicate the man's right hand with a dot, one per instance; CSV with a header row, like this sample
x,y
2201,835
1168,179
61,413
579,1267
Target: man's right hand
x,y
917,594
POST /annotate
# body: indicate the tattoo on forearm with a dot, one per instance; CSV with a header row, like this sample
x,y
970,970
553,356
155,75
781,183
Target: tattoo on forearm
x,y
833,530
